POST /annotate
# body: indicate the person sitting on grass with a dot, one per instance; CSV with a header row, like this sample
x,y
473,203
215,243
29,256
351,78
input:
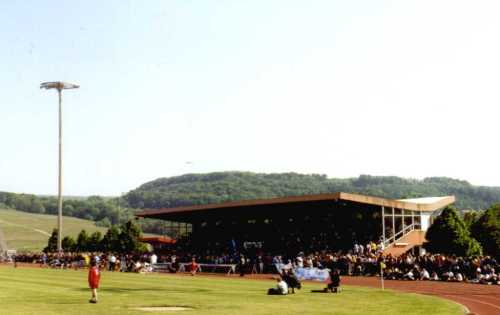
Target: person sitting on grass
x,y
138,266
281,288
291,280
94,278
334,285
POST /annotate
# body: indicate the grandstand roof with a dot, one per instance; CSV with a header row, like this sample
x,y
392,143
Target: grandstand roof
x,y
428,204
158,240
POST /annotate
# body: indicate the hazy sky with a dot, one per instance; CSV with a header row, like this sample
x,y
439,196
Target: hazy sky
x,y
407,88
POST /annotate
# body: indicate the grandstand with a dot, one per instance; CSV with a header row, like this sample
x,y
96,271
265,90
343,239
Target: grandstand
x,y
311,222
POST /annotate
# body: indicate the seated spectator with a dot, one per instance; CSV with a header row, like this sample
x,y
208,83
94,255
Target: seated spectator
x,y
424,275
409,275
281,288
137,267
448,276
358,268
434,276
495,278
489,278
394,274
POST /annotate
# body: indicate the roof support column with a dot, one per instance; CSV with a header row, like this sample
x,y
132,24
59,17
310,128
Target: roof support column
x,y
393,226
383,227
403,216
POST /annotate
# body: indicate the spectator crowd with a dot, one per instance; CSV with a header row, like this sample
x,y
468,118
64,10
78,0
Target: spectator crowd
x,y
361,260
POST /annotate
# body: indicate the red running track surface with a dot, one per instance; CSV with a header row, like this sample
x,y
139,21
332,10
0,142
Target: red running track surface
x,y
478,298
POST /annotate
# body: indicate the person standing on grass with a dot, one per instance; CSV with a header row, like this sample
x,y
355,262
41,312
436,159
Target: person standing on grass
x,y
193,266
242,265
94,278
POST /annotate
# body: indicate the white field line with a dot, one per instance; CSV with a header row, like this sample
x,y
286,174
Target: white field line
x,y
474,300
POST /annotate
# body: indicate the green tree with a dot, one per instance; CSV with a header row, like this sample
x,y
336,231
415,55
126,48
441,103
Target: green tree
x,y
82,242
111,240
487,231
95,242
471,217
52,242
449,235
68,244
36,206
104,222
129,237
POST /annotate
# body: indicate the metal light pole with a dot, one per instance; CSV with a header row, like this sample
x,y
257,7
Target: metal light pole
x,y
59,86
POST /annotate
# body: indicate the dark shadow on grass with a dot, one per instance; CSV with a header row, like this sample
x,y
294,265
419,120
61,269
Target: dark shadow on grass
x,y
324,291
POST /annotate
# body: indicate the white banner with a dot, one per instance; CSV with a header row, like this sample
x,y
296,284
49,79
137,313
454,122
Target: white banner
x,y
312,274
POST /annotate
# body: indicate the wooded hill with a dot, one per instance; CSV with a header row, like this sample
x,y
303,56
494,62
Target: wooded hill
x,y
196,189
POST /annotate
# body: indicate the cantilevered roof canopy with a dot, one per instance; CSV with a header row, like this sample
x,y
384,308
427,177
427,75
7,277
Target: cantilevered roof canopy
x,y
158,240
419,204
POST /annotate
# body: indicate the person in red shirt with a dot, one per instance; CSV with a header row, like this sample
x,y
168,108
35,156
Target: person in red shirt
x,y
193,266
94,278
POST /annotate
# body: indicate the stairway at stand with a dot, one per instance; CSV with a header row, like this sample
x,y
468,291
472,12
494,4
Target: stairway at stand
x,y
405,243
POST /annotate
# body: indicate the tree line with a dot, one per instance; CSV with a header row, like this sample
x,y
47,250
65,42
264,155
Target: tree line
x,y
118,239
104,211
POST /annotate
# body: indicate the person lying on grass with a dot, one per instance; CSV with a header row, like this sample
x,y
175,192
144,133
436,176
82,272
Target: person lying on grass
x,y
94,278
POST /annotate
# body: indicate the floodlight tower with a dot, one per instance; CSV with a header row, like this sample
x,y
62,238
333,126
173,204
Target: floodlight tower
x,y
59,86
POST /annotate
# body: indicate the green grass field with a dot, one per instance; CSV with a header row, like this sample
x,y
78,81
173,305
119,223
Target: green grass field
x,y
29,232
48,291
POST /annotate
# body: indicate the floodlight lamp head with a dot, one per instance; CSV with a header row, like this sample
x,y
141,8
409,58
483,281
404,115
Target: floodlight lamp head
x,y
58,85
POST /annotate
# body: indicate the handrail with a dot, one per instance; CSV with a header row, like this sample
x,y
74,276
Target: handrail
x,y
396,237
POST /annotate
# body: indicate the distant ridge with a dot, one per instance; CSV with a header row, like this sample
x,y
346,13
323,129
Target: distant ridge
x,y
219,187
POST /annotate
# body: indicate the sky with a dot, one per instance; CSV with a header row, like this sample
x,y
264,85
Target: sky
x,y
342,88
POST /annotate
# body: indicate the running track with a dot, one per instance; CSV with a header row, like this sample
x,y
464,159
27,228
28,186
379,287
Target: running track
x,y
478,298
